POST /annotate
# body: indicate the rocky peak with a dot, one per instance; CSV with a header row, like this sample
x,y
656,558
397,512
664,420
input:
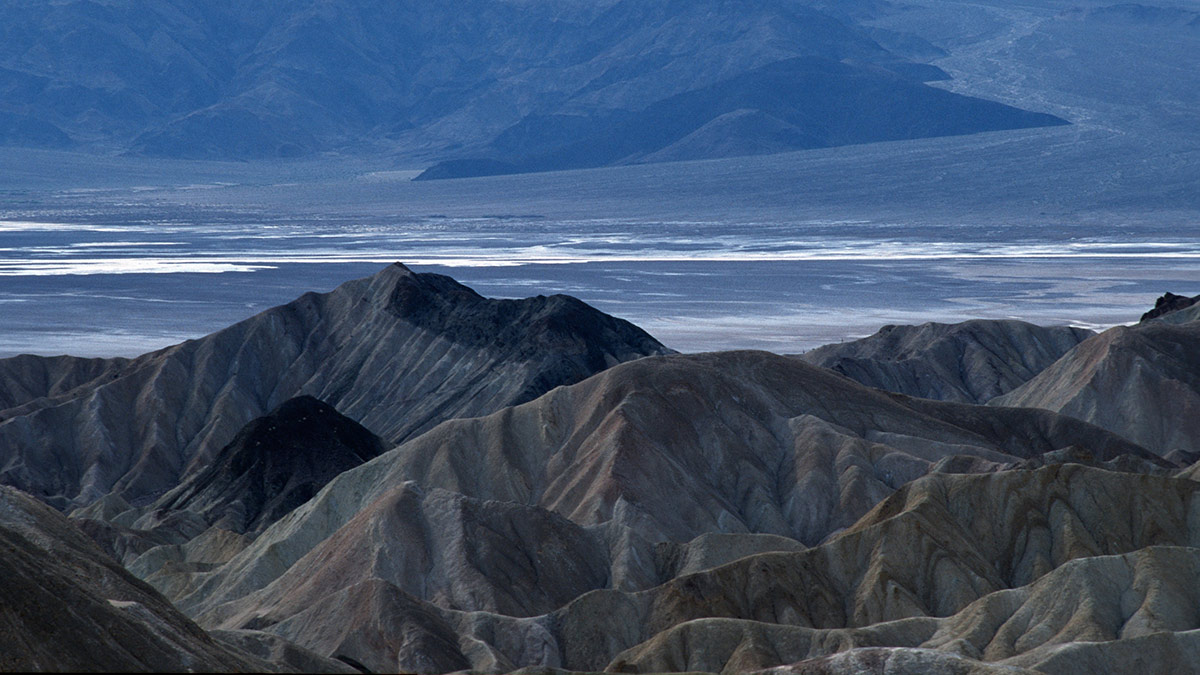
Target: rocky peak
x,y
397,352
1169,302
440,304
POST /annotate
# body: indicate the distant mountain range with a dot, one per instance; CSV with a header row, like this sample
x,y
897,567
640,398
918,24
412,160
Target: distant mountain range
x,y
480,86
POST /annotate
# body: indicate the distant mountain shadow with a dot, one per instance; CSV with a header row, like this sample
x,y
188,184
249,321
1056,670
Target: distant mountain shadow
x,y
796,104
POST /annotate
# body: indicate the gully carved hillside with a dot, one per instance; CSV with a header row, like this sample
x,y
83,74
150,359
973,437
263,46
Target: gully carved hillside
x,y
403,476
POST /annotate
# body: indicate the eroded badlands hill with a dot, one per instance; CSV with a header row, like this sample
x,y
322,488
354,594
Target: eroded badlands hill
x,y
1142,382
764,448
726,512
970,362
397,352
930,568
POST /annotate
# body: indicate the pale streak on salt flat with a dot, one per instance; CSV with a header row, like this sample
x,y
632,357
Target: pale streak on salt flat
x,y
257,261
116,244
452,243
7,226
52,269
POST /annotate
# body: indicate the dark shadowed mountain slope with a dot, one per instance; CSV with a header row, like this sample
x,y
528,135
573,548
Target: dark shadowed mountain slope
x,y
969,362
397,352
669,448
274,464
66,606
1142,382
278,79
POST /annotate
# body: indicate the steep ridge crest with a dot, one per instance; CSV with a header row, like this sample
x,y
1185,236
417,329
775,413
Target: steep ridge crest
x,y
1142,382
970,362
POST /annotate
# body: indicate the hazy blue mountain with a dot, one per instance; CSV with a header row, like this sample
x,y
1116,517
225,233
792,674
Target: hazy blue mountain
x,y
1133,13
534,83
801,103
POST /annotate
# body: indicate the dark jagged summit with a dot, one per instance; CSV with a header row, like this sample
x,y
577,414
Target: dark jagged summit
x,y
438,303
397,352
566,337
1169,302
274,464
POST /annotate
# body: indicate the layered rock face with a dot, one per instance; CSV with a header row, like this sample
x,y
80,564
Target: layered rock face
x,y
931,550
397,352
971,571
970,362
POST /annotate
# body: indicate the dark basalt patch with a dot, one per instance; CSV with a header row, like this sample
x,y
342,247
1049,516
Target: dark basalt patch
x,y
275,463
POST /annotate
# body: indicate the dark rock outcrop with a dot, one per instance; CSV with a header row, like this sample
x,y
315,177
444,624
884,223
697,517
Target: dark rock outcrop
x,y
275,463
1168,303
